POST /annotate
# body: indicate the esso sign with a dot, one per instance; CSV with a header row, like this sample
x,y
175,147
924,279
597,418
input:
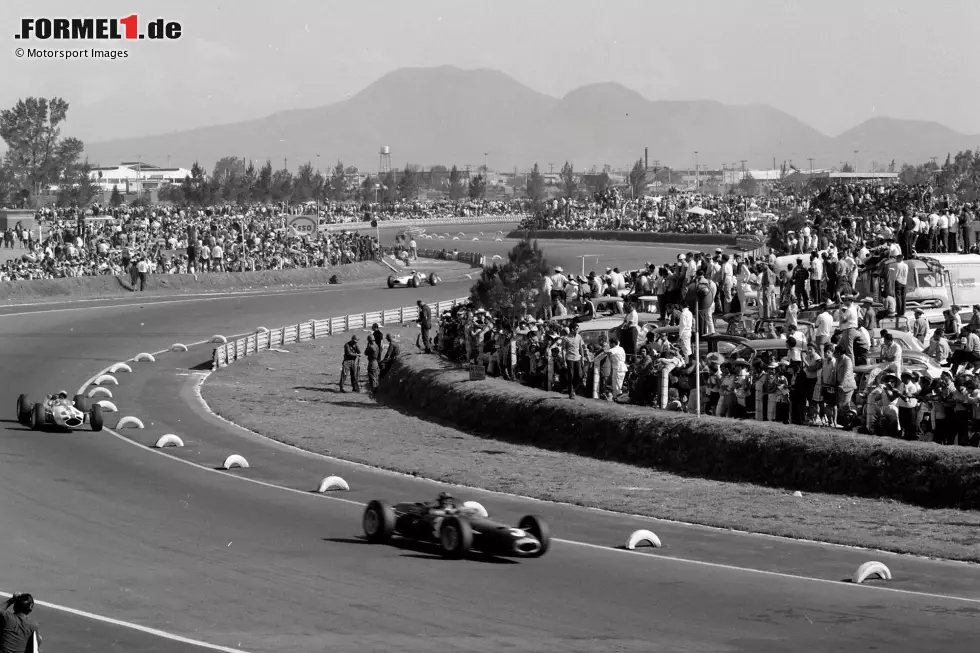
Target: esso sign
x,y
303,226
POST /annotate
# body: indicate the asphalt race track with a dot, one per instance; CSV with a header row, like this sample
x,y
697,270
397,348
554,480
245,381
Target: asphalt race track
x,y
92,522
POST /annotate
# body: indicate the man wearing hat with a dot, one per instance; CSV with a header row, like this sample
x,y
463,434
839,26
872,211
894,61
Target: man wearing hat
x,y
18,631
350,367
920,327
823,327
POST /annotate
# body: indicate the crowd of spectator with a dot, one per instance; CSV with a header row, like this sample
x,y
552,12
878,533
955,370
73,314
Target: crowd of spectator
x,y
675,212
829,332
167,240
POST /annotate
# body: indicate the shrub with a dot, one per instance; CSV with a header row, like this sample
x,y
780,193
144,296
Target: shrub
x,y
722,449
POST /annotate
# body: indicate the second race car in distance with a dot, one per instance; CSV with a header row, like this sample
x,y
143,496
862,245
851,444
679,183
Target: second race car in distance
x,y
456,528
412,280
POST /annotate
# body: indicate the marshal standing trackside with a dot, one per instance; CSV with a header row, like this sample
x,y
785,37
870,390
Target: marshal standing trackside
x,y
97,29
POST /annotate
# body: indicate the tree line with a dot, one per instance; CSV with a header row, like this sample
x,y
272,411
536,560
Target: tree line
x,y
39,157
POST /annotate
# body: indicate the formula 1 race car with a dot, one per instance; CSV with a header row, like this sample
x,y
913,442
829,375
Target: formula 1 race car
x,y
57,411
412,280
456,528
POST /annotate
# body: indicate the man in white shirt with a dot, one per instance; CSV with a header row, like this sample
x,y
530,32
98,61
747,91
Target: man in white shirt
x,y
901,281
617,365
823,327
816,277
943,239
686,331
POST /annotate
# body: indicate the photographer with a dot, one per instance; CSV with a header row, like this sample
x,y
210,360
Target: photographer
x,y
18,632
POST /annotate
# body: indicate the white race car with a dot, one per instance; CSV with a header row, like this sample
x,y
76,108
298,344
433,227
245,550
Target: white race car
x,y
58,411
412,280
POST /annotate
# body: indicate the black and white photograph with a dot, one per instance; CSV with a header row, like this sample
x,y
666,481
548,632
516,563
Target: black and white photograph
x,y
448,327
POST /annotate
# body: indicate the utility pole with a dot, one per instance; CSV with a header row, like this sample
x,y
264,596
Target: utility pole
x,y
552,168
856,160
697,173
810,159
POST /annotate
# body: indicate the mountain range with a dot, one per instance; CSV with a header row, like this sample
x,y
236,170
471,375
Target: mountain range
x,y
448,116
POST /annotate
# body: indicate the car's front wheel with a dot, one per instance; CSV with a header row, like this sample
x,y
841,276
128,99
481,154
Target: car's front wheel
x,y
537,528
391,282
37,417
23,409
95,418
378,522
455,537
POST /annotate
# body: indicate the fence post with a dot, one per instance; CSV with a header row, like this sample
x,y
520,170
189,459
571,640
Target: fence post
x,y
313,328
365,321
347,323
401,315
383,320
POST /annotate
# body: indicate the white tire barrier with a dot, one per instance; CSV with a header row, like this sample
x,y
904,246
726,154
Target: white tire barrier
x,y
477,506
145,357
95,392
461,234
108,406
120,367
476,239
641,536
129,421
262,329
219,339
869,569
234,460
442,238
333,483
168,440
178,346
496,257
106,378
498,240
455,237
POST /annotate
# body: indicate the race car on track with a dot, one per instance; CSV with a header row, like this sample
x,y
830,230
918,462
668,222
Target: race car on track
x,y
412,280
456,528
58,411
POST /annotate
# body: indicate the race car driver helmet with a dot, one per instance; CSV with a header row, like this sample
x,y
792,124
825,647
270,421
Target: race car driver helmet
x,y
61,394
446,500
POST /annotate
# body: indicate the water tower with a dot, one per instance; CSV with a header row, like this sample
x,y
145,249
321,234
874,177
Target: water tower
x,y
384,162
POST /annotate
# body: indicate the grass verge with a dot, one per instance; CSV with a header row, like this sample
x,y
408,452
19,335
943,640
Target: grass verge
x,y
283,396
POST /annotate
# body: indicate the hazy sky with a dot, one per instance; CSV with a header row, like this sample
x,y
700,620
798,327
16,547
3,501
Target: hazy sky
x,y
832,63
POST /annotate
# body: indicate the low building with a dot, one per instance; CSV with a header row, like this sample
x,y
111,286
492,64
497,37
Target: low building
x,y
136,177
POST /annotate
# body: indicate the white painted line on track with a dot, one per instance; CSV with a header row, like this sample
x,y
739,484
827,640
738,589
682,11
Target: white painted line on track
x,y
132,626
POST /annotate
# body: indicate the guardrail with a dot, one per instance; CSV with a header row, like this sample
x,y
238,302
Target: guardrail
x,y
226,354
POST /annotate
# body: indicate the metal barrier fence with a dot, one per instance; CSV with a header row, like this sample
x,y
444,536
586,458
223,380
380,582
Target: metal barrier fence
x,y
227,353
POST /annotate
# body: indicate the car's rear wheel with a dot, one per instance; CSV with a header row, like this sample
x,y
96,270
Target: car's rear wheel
x,y
455,537
23,409
433,279
538,528
95,418
414,282
391,282
37,417
378,522
79,403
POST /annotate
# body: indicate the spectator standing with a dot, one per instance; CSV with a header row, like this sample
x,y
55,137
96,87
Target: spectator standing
x,y
901,281
372,353
572,348
378,337
142,268
390,354
617,362
352,353
425,325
